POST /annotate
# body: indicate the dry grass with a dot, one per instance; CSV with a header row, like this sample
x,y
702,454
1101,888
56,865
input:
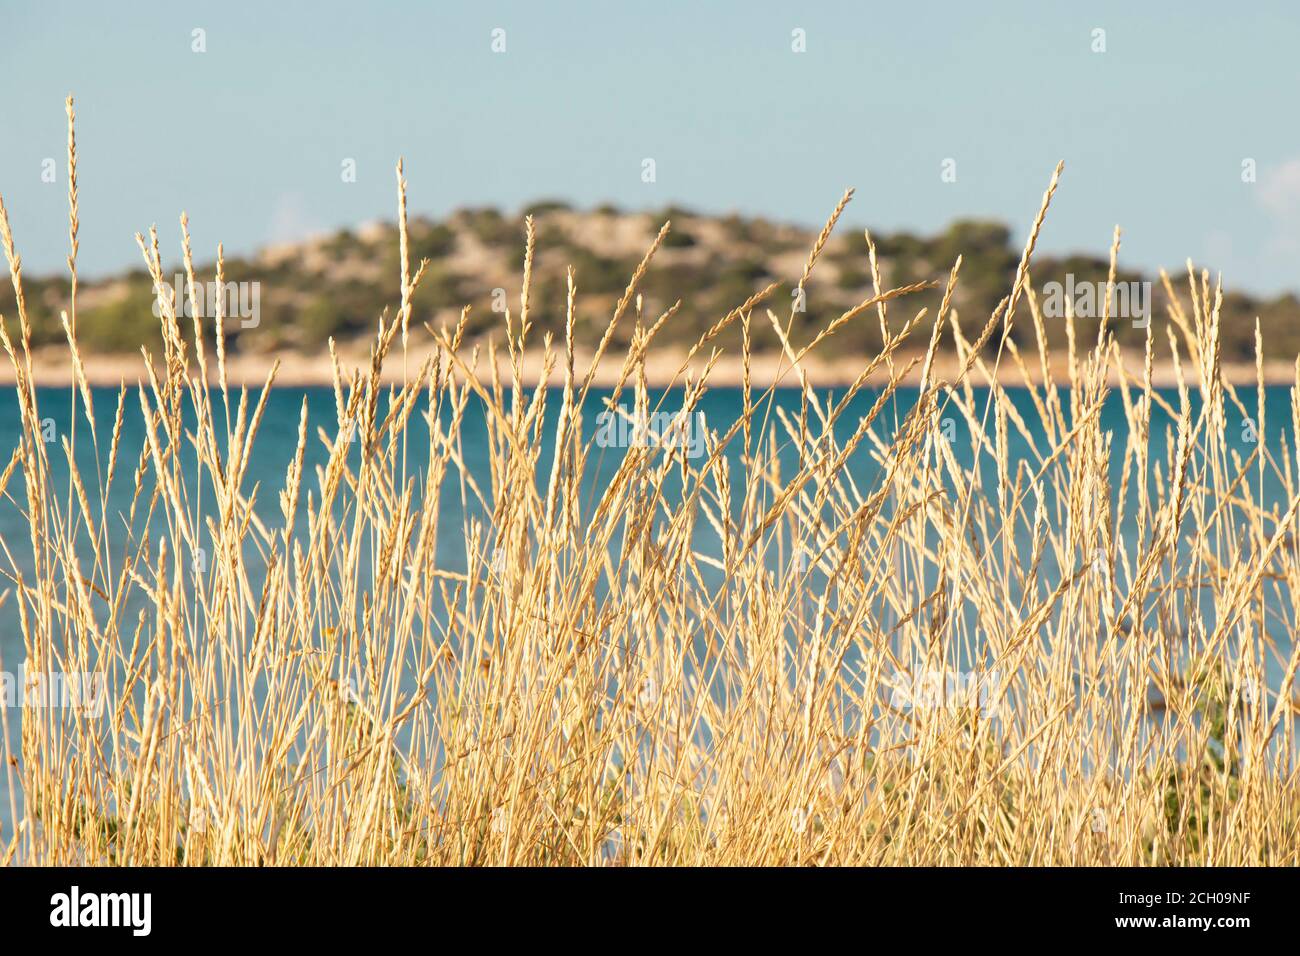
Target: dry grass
x,y
607,688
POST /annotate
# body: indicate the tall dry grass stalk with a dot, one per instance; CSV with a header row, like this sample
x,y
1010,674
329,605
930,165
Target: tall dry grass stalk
x,y
598,687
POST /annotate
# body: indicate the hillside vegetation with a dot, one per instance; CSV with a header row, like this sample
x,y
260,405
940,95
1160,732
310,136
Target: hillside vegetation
x,y
339,285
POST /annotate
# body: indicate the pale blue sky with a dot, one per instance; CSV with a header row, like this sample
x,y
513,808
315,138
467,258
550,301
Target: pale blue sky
x,y
249,136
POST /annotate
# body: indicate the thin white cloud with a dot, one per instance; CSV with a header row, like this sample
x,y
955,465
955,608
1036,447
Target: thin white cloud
x,y
1279,189
1278,195
291,220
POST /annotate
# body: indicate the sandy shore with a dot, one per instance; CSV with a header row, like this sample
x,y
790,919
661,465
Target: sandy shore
x,y
52,368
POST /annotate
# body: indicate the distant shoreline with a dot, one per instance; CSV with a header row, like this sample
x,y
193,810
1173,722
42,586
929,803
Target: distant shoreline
x,y
51,367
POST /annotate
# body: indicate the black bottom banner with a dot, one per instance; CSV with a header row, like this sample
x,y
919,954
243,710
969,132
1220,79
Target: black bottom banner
x,y
343,906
